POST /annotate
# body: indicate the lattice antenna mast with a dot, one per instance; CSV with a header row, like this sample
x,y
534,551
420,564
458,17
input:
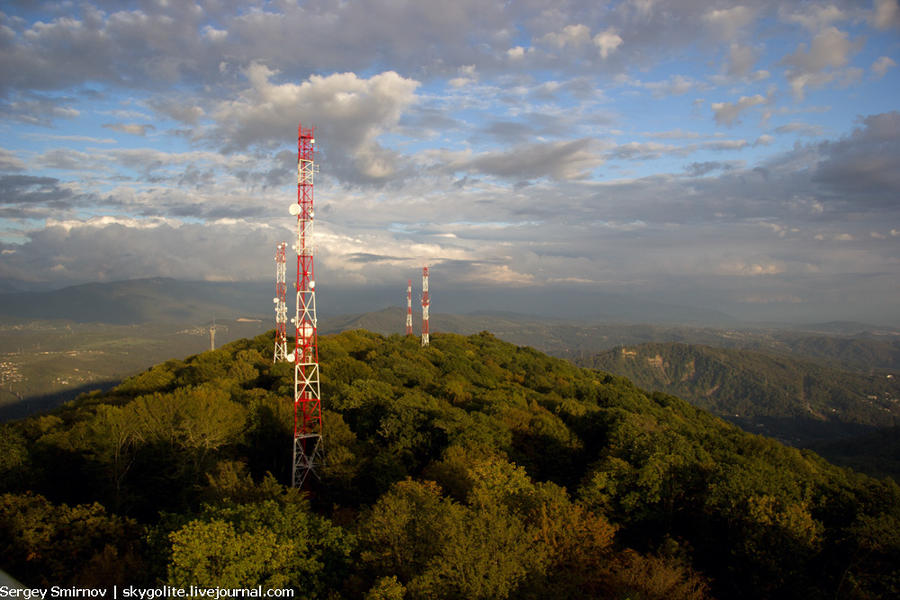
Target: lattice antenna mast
x,y
409,307
281,353
426,302
308,450
212,335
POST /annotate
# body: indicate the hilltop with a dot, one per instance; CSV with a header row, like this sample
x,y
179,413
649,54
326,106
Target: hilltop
x,y
472,468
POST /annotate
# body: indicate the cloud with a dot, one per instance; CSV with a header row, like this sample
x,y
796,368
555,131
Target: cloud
x,y
68,138
676,85
814,67
563,160
181,110
349,110
829,48
740,60
866,164
130,128
510,131
804,129
10,162
133,48
508,109
467,76
886,14
698,169
727,113
771,299
881,66
607,41
571,35
726,23
516,52
108,248
814,18
646,150
753,269
33,197
37,109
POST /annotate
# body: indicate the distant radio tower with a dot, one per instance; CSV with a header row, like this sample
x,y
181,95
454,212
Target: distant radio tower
x,y
426,302
280,302
409,307
212,335
308,451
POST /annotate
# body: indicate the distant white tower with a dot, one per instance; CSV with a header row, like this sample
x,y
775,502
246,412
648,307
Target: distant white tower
x,y
409,307
280,303
426,302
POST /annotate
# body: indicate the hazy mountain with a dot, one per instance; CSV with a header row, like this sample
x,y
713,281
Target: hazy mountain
x,y
163,299
794,400
140,301
577,340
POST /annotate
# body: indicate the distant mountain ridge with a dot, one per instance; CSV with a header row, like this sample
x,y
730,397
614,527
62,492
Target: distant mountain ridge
x,y
165,299
138,301
578,340
785,397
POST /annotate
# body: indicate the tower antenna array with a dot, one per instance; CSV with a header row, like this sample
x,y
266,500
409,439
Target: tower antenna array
x,y
409,307
426,302
308,450
280,302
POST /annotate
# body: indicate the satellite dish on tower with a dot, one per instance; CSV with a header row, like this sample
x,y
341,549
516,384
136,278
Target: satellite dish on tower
x,y
294,209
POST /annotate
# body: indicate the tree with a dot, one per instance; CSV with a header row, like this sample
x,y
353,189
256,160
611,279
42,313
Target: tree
x,y
272,541
44,544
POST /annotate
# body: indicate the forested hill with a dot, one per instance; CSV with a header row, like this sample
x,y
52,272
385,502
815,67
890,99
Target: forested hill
x,y
795,400
469,469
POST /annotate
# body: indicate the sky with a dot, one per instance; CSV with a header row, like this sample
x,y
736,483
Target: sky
x,y
741,157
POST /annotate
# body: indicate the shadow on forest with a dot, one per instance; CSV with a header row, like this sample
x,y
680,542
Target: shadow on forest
x,y
34,404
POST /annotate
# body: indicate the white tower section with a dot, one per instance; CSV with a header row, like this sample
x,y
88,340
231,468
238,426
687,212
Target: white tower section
x,y
409,307
281,353
426,302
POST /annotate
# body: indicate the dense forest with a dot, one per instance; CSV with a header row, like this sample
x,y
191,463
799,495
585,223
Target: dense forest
x,y
472,468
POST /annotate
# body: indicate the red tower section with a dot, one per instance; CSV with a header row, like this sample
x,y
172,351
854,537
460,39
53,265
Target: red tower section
x,y
308,450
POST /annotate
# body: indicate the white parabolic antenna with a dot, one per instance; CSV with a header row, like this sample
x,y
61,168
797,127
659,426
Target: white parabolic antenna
x,y
290,357
294,209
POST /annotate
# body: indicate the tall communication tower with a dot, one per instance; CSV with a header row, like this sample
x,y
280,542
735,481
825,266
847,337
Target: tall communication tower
x,y
409,307
308,450
212,335
426,302
280,302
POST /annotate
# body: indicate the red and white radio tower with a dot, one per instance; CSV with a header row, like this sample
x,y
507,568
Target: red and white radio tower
x,y
426,302
280,302
409,307
308,450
